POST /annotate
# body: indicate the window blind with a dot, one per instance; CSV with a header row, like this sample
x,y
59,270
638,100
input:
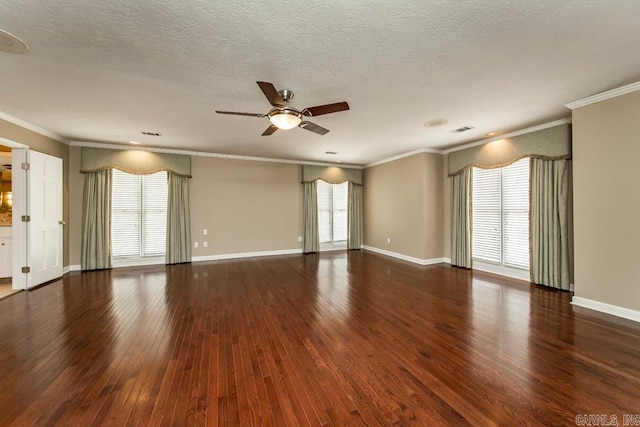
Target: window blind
x,y
325,201
515,193
340,211
500,209
332,212
138,214
486,215
154,213
125,214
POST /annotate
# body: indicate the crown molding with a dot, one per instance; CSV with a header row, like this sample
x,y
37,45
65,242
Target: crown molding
x,y
604,96
403,155
204,154
509,135
30,126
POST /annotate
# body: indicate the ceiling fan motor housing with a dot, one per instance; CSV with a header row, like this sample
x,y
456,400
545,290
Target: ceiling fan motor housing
x,y
286,95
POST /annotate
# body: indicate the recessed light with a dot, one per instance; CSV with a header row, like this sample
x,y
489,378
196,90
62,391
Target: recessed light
x,y
135,142
338,161
435,123
492,133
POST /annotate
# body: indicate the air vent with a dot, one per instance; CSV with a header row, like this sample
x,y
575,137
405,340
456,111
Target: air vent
x,y
148,133
462,129
330,152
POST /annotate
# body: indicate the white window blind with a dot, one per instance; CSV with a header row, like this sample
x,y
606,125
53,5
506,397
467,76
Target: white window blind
x,y
154,213
332,212
138,214
515,206
340,212
325,217
500,204
487,215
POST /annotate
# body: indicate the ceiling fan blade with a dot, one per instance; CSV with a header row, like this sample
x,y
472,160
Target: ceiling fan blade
x,y
325,109
241,114
270,130
314,128
271,93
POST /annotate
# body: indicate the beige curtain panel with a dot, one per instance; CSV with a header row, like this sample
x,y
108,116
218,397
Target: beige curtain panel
x,y
461,219
178,220
96,221
549,223
311,238
354,213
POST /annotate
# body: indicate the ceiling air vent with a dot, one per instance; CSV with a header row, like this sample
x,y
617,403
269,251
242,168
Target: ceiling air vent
x,y
462,129
148,133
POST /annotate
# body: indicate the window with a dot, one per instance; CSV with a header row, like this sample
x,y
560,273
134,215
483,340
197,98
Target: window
x,y
332,212
138,214
500,204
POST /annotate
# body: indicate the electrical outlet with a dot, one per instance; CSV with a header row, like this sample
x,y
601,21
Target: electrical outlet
x,y
299,238
388,239
205,244
205,232
195,244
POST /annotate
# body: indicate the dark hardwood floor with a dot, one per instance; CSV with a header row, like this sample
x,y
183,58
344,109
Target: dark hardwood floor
x,y
336,339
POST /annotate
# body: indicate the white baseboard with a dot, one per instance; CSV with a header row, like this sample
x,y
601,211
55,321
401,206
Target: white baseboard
x,y
407,257
245,255
614,310
73,267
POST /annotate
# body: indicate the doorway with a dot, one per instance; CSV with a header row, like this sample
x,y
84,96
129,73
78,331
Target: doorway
x,y
6,223
36,216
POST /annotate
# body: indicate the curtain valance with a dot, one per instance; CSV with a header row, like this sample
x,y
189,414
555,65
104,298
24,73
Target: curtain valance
x,y
547,144
134,161
331,174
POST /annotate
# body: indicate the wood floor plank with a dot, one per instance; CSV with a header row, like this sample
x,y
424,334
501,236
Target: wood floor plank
x,y
331,339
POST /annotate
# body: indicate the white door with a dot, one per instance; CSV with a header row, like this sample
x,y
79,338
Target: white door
x,y
45,225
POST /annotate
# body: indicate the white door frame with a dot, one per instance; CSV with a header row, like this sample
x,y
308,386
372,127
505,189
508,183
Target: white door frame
x,y
19,280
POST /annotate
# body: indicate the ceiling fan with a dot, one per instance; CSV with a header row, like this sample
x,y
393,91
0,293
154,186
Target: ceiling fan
x,y
283,116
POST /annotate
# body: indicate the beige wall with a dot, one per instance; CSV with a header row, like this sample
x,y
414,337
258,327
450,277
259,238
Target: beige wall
x,y
606,191
246,206
446,208
45,145
433,184
76,188
403,201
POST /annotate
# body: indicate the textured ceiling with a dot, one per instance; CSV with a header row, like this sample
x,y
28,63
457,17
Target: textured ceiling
x,y
106,70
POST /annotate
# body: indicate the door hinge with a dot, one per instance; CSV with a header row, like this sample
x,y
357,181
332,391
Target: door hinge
x,y
26,269
26,218
26,166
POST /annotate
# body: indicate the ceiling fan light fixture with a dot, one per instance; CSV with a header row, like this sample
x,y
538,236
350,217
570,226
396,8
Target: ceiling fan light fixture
x,y
285,119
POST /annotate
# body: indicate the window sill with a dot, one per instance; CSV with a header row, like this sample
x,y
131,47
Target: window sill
x,y
137,261
502,270
338,246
